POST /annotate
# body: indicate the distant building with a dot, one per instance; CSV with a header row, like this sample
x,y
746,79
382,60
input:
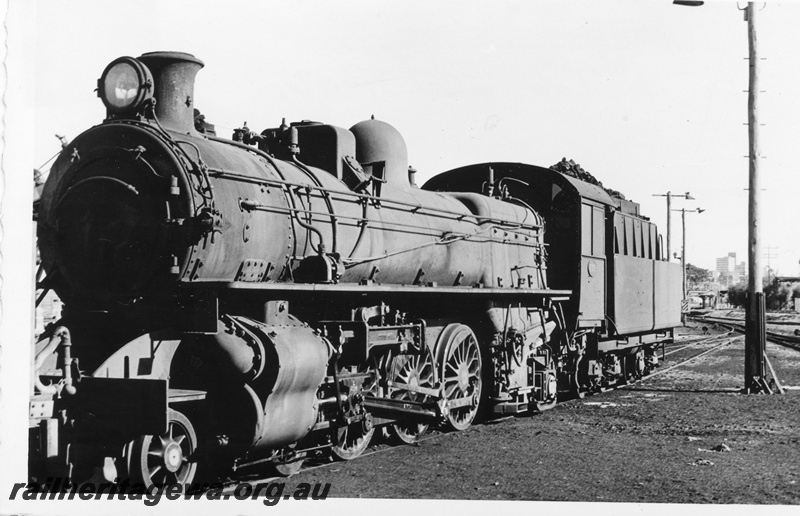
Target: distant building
x,y
726,270
729,272
740,271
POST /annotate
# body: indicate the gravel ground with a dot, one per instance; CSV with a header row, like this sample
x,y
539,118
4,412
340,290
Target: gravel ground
x,y
681,436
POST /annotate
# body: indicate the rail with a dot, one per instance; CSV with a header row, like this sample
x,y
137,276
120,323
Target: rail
x,y
788,341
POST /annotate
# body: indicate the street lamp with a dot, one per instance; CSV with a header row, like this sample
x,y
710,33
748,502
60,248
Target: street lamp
x,y
669,196
683,248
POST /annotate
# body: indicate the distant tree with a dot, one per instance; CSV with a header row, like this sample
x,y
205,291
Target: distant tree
x,y
737,294
777,296
696,276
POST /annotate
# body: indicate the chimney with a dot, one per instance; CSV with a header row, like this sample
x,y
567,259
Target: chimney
x,y
173,75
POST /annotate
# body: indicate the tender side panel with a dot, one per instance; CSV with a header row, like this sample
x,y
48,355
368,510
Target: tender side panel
x,y
667,298
637,255
646,289
633,294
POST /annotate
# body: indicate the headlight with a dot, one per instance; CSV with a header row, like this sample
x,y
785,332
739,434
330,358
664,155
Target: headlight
x,y
124,86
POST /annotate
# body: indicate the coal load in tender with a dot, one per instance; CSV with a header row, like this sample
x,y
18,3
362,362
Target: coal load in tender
x,y
572,169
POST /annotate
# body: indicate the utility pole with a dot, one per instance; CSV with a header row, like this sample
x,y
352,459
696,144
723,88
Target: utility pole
x,y
683,253
669,196
755,342
669,223
755,324
768,254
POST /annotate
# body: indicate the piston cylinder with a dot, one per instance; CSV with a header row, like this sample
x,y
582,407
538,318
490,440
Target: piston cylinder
x,y
283,367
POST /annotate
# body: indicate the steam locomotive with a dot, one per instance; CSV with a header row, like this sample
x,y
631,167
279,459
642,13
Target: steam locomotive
x,y
282,294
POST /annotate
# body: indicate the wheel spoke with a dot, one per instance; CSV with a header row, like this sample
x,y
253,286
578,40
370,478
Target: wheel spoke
x,y
352,441
417,370
453,367
458,353
147,456
461,374
448,392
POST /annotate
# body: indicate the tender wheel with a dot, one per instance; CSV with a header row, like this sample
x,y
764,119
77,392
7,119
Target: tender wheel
x,y
351,441
164,459
415,371
591,383
639,364
460,362
577,387
549,391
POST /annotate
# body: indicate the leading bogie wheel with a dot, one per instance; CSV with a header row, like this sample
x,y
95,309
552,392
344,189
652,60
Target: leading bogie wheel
x,y
164,459
460,366
351,441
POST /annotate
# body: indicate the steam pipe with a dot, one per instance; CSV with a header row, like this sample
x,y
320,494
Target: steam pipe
x,y
60,337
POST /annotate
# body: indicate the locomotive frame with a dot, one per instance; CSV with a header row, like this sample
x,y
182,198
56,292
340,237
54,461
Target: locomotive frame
x,y
256,300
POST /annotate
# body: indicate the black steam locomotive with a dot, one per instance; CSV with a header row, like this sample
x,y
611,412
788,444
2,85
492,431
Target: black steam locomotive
x,y
290,292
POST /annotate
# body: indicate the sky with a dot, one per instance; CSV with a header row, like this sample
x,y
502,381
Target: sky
x,y
647,96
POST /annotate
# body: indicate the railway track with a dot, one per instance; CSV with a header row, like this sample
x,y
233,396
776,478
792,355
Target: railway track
x,y
693,342
735,320
725,339
788,341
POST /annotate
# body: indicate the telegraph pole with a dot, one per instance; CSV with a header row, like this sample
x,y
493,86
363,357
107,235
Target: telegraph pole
x,y
669,196
683,257
755,326
769,256
669,226
683,252
755,320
